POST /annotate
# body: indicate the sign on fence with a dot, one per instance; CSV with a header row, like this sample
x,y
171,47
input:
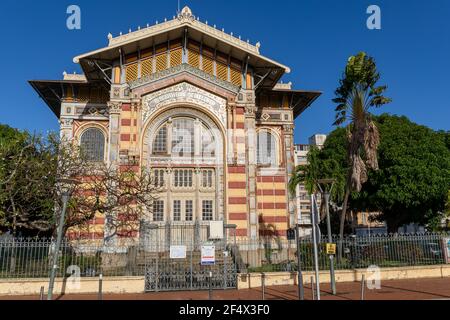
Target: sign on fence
x,y
177,252
208,255
331,248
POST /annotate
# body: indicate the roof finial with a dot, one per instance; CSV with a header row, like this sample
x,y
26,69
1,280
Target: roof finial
x,y
186,11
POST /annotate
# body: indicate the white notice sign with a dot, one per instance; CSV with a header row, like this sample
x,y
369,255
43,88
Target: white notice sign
x,y
208,255
177,252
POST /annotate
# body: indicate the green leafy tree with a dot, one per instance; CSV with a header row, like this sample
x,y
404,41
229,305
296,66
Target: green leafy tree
x,y
357,94
319,167
413,181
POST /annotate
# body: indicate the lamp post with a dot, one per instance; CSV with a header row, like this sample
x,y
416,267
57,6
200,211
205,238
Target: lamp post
x,y
316,239
66,186
326,190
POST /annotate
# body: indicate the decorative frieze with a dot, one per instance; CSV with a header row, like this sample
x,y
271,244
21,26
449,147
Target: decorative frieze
x,y
183,93
179,69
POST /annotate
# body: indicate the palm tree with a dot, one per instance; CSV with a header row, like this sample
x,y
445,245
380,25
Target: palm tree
x,y
356,95
318,168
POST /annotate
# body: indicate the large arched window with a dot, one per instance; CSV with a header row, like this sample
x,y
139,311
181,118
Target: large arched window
x,y
267,150
188,137
183,140
92,145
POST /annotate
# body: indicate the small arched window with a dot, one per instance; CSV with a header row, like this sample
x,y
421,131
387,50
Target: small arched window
x,y
92,145
267,151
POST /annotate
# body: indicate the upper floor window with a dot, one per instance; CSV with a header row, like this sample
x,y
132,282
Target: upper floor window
x,y
158,210
92,145
207,178
159,178
267,151
189,210
183,178
207,210
176,210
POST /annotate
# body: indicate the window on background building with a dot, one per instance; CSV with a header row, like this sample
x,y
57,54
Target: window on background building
x,y
207,210
176,210
92,145
160,142
189,210
267,154
207,178
158,210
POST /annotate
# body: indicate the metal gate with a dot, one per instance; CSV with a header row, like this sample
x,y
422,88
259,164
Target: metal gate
x,y
165,274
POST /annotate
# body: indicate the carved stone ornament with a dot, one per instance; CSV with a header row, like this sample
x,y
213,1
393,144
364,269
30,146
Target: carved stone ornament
x,y
250,111
66,122
115,107
288,128
186,14
116,92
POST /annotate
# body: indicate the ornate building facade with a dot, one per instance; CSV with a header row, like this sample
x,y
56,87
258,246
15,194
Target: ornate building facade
x,y
202,109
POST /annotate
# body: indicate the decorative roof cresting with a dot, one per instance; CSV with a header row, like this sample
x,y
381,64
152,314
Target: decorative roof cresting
x,y
185,17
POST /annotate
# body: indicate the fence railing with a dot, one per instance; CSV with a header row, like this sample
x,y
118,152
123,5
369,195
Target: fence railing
x,y
32,258
357,252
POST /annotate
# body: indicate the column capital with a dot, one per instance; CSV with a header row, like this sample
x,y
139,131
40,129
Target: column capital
x,y
114,107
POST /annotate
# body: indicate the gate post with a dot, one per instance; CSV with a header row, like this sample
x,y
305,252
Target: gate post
x,y
191,268
225,278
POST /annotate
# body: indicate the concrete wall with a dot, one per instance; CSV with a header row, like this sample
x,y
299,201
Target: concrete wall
x,y
87,285
120,285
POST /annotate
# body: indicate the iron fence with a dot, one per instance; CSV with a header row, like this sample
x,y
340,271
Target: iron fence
x,y
352,252
32,258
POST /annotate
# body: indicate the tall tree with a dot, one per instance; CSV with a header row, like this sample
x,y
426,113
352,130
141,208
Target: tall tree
x,y
412,183
319,166
357,94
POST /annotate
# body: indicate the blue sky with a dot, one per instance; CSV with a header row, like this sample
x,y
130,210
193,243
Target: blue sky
x,y
314,38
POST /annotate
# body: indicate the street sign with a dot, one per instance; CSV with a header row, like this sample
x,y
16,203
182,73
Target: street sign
x,y
331,248
208,255
177,252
